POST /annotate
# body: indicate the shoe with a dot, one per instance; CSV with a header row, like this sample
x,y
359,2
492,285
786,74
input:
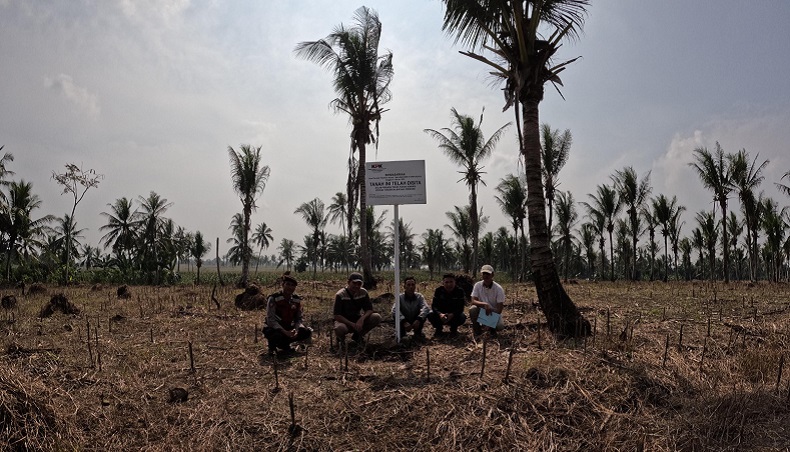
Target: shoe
x,y
287,353
419,338
439,333
454,332
477,329
492,333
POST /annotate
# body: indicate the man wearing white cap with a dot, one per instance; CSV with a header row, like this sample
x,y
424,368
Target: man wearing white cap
x,y
489,296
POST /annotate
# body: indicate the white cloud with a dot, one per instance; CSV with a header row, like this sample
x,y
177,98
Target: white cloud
x,y
83,99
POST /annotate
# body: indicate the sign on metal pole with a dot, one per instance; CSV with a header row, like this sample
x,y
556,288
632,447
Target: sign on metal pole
x,y
399,182
395,183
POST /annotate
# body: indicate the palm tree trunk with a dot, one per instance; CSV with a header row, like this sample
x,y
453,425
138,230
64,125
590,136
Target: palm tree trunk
x,y
666,260
367,270
611,256
726,240
475,227
561,313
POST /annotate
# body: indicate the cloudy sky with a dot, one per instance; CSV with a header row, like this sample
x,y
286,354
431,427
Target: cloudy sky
x,y
151,93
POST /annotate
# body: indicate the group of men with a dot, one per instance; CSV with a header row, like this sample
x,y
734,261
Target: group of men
x,y
353,310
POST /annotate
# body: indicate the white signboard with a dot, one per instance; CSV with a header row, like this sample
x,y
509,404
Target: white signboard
x,y
395,183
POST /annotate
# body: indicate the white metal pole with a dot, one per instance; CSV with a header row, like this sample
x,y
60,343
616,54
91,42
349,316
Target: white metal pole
x,y
396,283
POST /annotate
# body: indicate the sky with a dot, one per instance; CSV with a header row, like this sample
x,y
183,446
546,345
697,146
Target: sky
x,y
151,94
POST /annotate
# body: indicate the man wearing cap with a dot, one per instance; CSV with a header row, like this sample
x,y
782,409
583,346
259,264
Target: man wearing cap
x,y
353,310
489,296
284,318
447,307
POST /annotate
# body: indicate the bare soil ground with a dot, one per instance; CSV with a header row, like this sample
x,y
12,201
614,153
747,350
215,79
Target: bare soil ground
x,y
678,366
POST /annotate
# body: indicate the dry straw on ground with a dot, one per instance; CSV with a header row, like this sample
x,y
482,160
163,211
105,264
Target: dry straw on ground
x,y
104,379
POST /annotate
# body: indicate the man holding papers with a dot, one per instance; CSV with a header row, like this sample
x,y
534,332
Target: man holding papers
x,y
488,299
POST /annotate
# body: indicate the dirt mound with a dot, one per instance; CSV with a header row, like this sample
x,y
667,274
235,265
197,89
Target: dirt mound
x,y
58,302
36,288
251,299
124,292
96,287
8,302
26,422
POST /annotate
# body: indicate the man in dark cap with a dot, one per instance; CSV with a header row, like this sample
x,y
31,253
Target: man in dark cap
x,y
353,310
284,318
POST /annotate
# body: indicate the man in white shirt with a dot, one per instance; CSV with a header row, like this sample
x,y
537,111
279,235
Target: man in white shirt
x,y
489,296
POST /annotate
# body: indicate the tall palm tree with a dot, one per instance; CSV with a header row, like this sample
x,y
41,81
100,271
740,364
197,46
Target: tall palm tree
x,y
708,235
263,238
607,203
747,176
554,151
249,176
338,211
587,236
67,239
18,220
151,218
312,213
513,32
465,145
633,194
460,226
199,249
512,199
434,249
716,173
566,220
287,249
361,79
121,227
675,225
666,211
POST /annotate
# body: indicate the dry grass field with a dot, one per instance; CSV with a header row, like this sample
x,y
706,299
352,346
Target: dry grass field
x,y
677,366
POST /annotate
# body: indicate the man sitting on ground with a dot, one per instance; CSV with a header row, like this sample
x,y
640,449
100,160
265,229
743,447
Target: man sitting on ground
x,y
353,311
413,310
284,318
487,295
447,307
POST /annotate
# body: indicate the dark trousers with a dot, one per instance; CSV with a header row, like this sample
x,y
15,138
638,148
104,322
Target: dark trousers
x,y
456,321
278,339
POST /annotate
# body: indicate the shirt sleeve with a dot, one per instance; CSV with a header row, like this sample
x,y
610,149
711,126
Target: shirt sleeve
x,y
367,305
336,308
424,309
271,314
476,290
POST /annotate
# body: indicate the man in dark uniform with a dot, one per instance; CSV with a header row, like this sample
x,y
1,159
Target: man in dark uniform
x,y
447,307
284,318
353,310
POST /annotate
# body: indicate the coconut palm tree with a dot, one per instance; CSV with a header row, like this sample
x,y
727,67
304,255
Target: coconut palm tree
x,y
716,173
151,218
554,151
287,249
709,233
66,239
121,227
513,32
434,250
747,176
587,236
361,79
512,199
18,220
338,210
199,249
465,145
249,176
313,214
566,220
633,194
675,225
263,238
607,203
666,211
